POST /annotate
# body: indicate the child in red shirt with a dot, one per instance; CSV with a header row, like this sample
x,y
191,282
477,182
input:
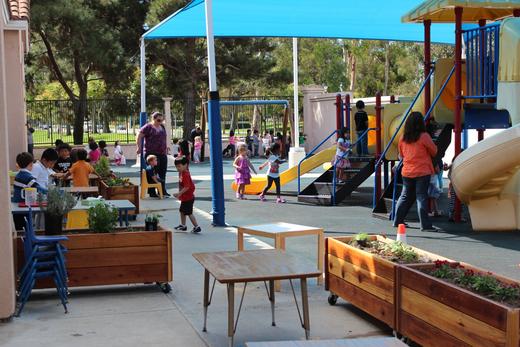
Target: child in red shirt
x,y
185,195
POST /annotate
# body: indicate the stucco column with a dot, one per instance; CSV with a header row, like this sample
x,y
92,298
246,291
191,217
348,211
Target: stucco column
x,y
7,289
14,59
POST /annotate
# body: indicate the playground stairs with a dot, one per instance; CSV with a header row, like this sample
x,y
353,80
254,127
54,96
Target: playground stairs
x,y
319,192
384,204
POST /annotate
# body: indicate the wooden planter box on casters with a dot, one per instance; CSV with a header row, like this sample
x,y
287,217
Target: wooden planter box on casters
x,y
366,280
121,257
129,192
433,312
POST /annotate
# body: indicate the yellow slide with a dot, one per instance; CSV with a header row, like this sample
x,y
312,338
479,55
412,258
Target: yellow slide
x,y
258,182
486,178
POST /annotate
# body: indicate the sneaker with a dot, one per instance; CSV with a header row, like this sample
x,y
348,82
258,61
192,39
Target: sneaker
x,y
196,229
181,227
154,195
238,196
242,197
166,195
431,229
280,201
262,198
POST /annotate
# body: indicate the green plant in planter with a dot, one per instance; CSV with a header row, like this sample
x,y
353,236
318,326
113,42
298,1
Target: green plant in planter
x,y
117,181
152,218
102,218
55,205
401,251
102,168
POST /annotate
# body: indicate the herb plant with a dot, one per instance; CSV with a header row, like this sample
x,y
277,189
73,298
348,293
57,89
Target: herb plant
x,y
102,218
59,202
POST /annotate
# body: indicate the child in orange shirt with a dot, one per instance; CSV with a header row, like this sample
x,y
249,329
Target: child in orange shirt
x,y
80,170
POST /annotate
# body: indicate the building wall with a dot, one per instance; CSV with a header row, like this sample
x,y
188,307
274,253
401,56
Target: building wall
x,y
14,59
7,282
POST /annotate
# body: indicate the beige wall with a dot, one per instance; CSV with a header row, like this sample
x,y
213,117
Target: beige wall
x,y
7,292
14,59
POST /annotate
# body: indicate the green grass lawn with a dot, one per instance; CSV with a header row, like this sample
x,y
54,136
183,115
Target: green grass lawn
x,y
44,137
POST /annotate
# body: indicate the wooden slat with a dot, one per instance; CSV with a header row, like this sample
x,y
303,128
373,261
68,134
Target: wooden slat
x,y
83,258
512,333
469,303
126,274
121,239
425,334
370,282
169,237
365,301
356,342
365,260
453,322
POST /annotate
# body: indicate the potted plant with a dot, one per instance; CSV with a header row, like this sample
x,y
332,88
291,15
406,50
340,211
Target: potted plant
x,y
57,204
102,218
362,270
151,221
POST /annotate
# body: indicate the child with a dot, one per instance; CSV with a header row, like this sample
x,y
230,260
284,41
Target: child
x,y
80,170
452,196
184,149
361,119
175,147
151,174
243,169
341,159
249,141
231,146
42,169
24,179
185,195
64,161
119,158
197,148
103,148
95,152
273,175
266,143
434,192
256,143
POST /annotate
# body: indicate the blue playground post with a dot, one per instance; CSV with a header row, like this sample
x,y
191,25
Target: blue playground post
x,y
465,140
143,118
215,145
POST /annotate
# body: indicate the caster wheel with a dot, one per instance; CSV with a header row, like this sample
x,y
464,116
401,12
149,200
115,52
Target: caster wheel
x,y
165,287
332,299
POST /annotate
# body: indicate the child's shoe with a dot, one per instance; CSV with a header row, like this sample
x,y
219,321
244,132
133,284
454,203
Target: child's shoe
x,y
242,197
238,196
181,227
280,201
262,197
196,229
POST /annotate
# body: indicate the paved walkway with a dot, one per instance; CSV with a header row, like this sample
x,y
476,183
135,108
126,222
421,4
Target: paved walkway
x,y
141,315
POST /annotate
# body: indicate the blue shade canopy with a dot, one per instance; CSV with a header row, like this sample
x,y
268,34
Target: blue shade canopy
x,y
341,19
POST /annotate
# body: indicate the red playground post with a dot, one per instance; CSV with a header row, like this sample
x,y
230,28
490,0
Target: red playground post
x,y
339,113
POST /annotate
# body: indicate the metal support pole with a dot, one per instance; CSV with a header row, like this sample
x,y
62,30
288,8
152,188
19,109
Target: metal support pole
x,y
143,116
465,140
215,128
427,64
458,95
480,134
339,112
295,96
378,146
347,111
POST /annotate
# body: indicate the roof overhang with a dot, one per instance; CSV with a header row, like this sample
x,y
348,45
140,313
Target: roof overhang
x,y
442,11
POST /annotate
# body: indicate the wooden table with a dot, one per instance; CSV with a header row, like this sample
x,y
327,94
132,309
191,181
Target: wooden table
x,y
279,231
254,266
91,190
123,206
361,342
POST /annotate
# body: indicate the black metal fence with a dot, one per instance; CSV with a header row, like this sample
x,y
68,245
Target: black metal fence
x,y
118,119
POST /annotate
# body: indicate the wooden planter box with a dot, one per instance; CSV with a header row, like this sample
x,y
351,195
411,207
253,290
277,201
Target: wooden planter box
x,y
130,192
95,259
365,280
433,312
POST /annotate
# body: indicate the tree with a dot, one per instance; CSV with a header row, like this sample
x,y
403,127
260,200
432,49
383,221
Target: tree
x,y
184,73
86,41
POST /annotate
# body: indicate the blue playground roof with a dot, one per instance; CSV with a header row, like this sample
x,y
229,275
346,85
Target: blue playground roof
x,y
342,19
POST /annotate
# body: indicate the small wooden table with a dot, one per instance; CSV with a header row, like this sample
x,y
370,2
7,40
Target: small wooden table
x,y
279,231
361,342
254,266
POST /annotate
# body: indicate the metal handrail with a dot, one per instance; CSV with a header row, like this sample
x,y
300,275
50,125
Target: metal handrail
x,y
426,117
333,196
311,153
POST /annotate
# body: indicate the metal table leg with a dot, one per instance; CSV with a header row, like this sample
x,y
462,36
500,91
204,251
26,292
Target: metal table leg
x,y
206,298
271,299
120,218
231,312
305,304
126,218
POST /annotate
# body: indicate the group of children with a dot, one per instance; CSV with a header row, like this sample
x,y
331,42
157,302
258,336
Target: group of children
x,y
255,145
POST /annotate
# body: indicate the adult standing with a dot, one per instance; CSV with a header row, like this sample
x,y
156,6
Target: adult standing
x,y
154,135
416,149
30,141
197,131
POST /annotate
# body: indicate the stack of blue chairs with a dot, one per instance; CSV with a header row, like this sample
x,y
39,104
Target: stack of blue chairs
x,y
44,258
